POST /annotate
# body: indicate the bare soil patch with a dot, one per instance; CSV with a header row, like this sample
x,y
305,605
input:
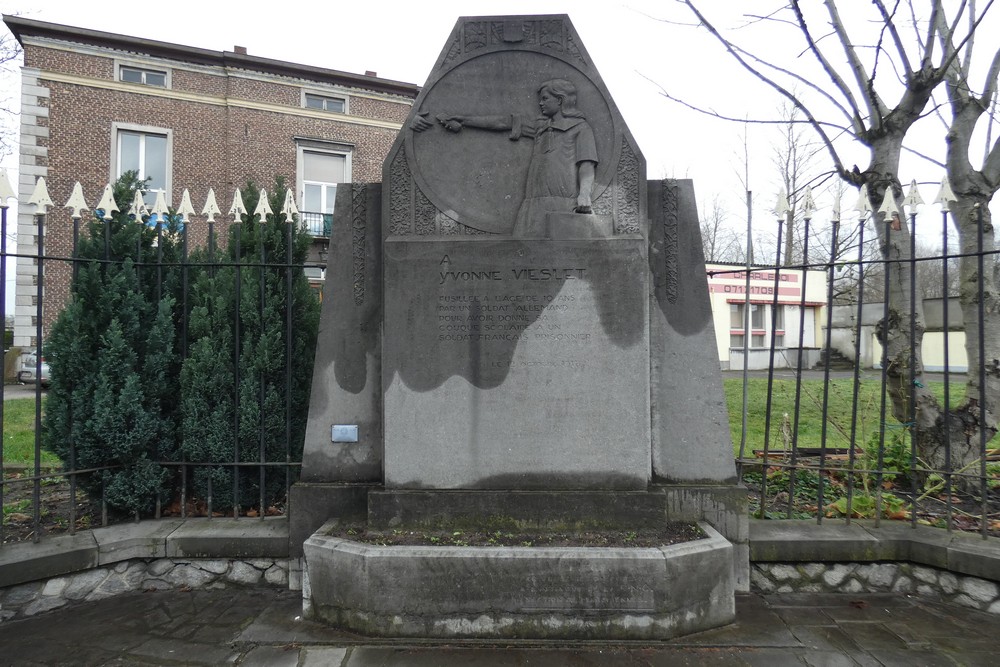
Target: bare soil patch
x,y
670,533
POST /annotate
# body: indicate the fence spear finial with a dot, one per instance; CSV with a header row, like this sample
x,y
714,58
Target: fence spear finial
x,y
781,208
76,201
237,209
138,208
808,205
211,208
913,198
863,207
888,207
160,209
40,197
945,196
107,203
185,210
6,191
263,206
289,209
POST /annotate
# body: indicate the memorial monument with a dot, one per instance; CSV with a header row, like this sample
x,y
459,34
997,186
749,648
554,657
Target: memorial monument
x,y
516,330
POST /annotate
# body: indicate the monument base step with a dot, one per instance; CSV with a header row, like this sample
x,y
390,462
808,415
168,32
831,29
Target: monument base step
x,y
520,592
429,509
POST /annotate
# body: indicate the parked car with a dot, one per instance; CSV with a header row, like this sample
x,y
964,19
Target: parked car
x,y
29,366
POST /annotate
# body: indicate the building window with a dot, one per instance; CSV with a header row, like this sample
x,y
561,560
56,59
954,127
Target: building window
x,y
779,318
736,316
144,76
736,340
320,171
756,316
757,340
146,152
324,102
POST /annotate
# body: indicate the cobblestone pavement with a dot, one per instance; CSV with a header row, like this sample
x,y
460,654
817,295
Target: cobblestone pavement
x,y
262,627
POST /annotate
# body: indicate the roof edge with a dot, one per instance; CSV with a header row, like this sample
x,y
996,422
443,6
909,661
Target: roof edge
x,y
22,27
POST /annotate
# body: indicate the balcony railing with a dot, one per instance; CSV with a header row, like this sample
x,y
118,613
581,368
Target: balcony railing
x,y
317,224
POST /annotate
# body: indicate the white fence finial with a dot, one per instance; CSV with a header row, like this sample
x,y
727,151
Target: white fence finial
x,y
945,196
913,198
289,209
160,209
237,209
781,208
40,197
263,207
808,205
107,203
138,208
76,201
863,207
211,208
888,207
185,210
6,191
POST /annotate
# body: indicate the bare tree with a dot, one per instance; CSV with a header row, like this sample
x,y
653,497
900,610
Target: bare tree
x,y
863,64
10,52
793,158
721,242
972,106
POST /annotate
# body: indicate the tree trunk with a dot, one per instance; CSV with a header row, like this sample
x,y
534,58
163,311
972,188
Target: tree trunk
x,y
901,329
968,426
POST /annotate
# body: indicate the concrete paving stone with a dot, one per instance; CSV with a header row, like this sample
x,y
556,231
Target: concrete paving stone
x,y
862,608
824,638
402,657
188,653
927,658
806,600
770,657
688,657
827,659
322,656
802,616
272,656
871,635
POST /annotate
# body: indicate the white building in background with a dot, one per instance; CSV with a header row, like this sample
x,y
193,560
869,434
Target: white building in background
x,y
783,303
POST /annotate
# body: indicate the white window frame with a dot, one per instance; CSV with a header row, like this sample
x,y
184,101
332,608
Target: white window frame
x,y
326,95
119,64
313,146
117,128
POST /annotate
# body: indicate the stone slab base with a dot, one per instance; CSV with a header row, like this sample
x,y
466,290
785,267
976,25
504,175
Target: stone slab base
x,y
520,592
722,506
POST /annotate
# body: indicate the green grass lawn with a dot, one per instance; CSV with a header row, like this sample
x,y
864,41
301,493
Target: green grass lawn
x,y
19,433
840,408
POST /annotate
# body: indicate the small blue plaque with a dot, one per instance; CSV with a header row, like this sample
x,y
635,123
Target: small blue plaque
x,y
344,433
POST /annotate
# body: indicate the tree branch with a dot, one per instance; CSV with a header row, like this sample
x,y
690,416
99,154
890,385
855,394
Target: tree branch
x,y
876,109
845,90
890,25
817,125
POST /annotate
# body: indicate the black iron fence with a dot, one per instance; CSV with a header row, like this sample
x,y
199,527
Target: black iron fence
x,y
906,430
891,437
243,285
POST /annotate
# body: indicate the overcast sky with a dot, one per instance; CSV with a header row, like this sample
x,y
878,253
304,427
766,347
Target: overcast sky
x,y
633,50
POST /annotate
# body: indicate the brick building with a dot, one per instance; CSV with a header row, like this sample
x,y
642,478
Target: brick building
x,y
96,104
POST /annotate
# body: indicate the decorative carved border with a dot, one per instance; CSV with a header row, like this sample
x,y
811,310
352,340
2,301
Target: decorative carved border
x,y
668,203
400,184
359,227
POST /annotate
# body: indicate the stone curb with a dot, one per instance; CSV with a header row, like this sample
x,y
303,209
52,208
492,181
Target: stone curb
x,y
789,541
164,538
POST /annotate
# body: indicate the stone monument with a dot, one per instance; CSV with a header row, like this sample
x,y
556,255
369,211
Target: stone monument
x,y
516,327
